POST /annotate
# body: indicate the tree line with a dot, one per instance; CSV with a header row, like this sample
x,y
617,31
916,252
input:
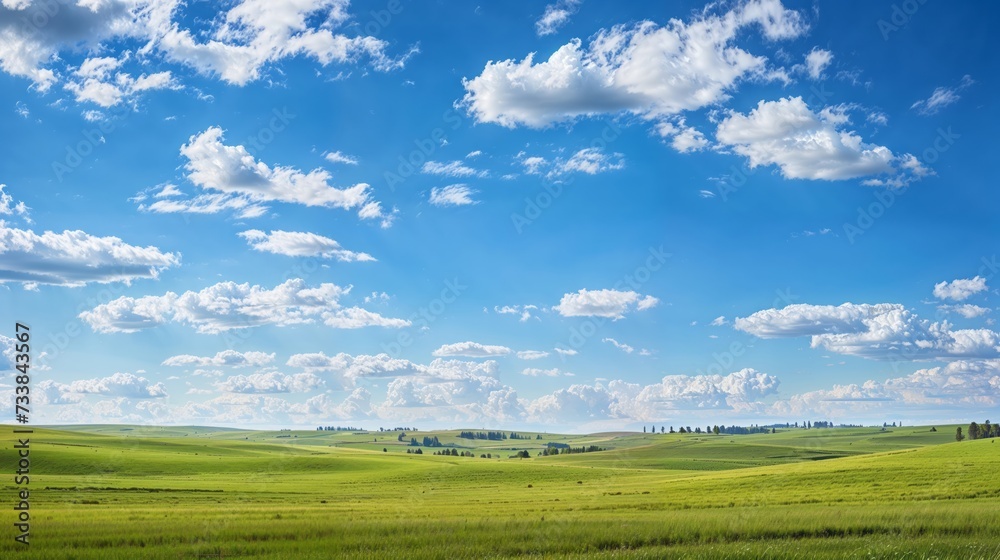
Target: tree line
x,y
979,431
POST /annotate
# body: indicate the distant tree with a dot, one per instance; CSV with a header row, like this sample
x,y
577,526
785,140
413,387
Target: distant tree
x,y
774,430
384,450
958,434
662,429
671,429
681,430
644,429
689,429
419,451
715,430
401,436
933,429
973,431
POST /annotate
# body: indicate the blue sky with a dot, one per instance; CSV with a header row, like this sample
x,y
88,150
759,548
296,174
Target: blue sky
x,y
571,215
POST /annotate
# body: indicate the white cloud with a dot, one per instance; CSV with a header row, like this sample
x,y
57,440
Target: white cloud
x,y
706,194
882,331
590,161
673,395
536,372
961,289
301,244
451,169
8,208
532,354
644,69
452,195
619,345
556,15
75,258
228,305
816,61
230,358
684,138
566,351
119,385
613,304
239,182
942,97
473,154
237,47
351,368
270,382
719,321
959,385
98,81
525,311
471,350
966,310
340,157
804,144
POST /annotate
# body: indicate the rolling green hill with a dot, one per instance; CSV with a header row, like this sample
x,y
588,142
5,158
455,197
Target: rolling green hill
x,y
138,492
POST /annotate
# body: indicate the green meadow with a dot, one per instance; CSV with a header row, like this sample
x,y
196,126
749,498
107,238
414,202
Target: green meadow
x,y
120,492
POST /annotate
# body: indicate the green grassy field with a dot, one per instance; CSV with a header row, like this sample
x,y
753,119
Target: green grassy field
x,y
114,492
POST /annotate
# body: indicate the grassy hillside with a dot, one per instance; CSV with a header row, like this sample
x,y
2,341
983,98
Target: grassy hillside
x,y
130,492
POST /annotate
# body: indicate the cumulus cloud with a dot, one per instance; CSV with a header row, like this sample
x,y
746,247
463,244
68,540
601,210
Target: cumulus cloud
x,y
613,304
340,157
451,169
453,390
621,346
301,244
942,97
959,384
117,385
645,69
452,195
882,331
524,311
75,258
9,208
816,61
228,305
739,391
966,310
230,358
236,180
237,48
807,145
961,289
471,350
590,161
554,372
555,16
99,81
350,368
270,382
